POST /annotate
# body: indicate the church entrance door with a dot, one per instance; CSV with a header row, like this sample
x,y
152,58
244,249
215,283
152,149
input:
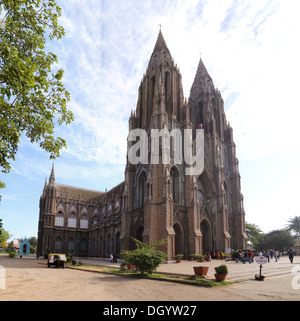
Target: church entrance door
x,y
179,248
206,236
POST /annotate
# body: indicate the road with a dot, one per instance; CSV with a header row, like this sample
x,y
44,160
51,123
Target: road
x,y
29,279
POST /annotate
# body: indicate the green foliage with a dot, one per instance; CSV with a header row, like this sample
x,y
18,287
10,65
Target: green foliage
x,y
9,248
221,269
4,235
179,256
32,96
145,258
2,185
294,225
33,244
200,257
278,239
74,262
11,255
254,234
46,253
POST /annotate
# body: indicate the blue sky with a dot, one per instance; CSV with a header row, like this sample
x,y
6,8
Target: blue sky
x,y
250,48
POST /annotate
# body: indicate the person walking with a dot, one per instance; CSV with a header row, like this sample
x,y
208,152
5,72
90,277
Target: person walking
x,y
275,255
111,258
250,256
267,254
291,255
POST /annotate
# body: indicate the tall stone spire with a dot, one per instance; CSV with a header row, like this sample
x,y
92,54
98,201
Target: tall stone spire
x,y
52,176
160,47
203,82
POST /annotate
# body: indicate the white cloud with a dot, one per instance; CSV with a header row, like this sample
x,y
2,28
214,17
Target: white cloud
x,y
250,49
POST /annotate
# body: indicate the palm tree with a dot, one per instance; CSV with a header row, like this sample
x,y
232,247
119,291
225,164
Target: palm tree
x,y
294,225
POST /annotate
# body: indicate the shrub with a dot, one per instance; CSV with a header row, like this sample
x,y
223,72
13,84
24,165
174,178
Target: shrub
x,y
221,269
11,254
145,258
200,257
74,262
80,263
46,253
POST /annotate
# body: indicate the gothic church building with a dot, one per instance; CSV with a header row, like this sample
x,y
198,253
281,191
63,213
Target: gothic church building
x,y
157,201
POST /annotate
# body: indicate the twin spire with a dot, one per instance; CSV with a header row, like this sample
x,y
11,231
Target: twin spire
x,y
202,79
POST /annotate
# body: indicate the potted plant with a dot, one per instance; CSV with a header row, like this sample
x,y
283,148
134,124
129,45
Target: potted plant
x,y
200,258
179,257
191,257
200,270
221,272
208,257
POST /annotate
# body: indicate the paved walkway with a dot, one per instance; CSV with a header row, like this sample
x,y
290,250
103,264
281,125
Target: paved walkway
x,y
236,271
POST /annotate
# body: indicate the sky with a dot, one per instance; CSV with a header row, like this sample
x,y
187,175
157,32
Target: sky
x,y
250,49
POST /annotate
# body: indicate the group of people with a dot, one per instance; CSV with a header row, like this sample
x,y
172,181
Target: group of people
x,y
113,258
248,256
243,256
270,254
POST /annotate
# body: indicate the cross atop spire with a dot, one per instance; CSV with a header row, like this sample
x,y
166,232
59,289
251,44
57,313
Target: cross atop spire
x,y
160,27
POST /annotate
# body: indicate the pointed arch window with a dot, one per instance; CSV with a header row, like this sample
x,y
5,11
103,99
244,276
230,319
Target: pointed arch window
x,y
141,189
58,245
167,92
59,219
71,246
200,193
84,222
175,185
72,221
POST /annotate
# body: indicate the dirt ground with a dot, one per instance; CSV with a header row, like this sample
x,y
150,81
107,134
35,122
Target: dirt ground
x,y
29,279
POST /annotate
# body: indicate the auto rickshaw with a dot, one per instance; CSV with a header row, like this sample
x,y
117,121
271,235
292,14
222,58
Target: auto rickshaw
x,y
57,260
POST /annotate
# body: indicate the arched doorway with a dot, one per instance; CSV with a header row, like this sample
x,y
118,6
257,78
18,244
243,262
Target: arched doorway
x,y
206,236
118,243
139,233
179,249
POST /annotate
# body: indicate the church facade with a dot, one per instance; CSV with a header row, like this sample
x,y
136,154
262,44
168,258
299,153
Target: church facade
x,y
193,213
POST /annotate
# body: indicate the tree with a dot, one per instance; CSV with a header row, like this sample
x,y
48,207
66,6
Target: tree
x,y
254,234
278,239
145,258
4,236
294,225
2,185
33,99
33,244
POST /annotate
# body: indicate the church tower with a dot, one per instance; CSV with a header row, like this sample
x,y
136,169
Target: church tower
x,y
193,213
222,215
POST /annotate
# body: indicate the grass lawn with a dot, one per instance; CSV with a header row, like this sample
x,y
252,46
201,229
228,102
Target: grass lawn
x,y
192,280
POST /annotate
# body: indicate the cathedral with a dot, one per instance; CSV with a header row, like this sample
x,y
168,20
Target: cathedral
x,y
193,213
